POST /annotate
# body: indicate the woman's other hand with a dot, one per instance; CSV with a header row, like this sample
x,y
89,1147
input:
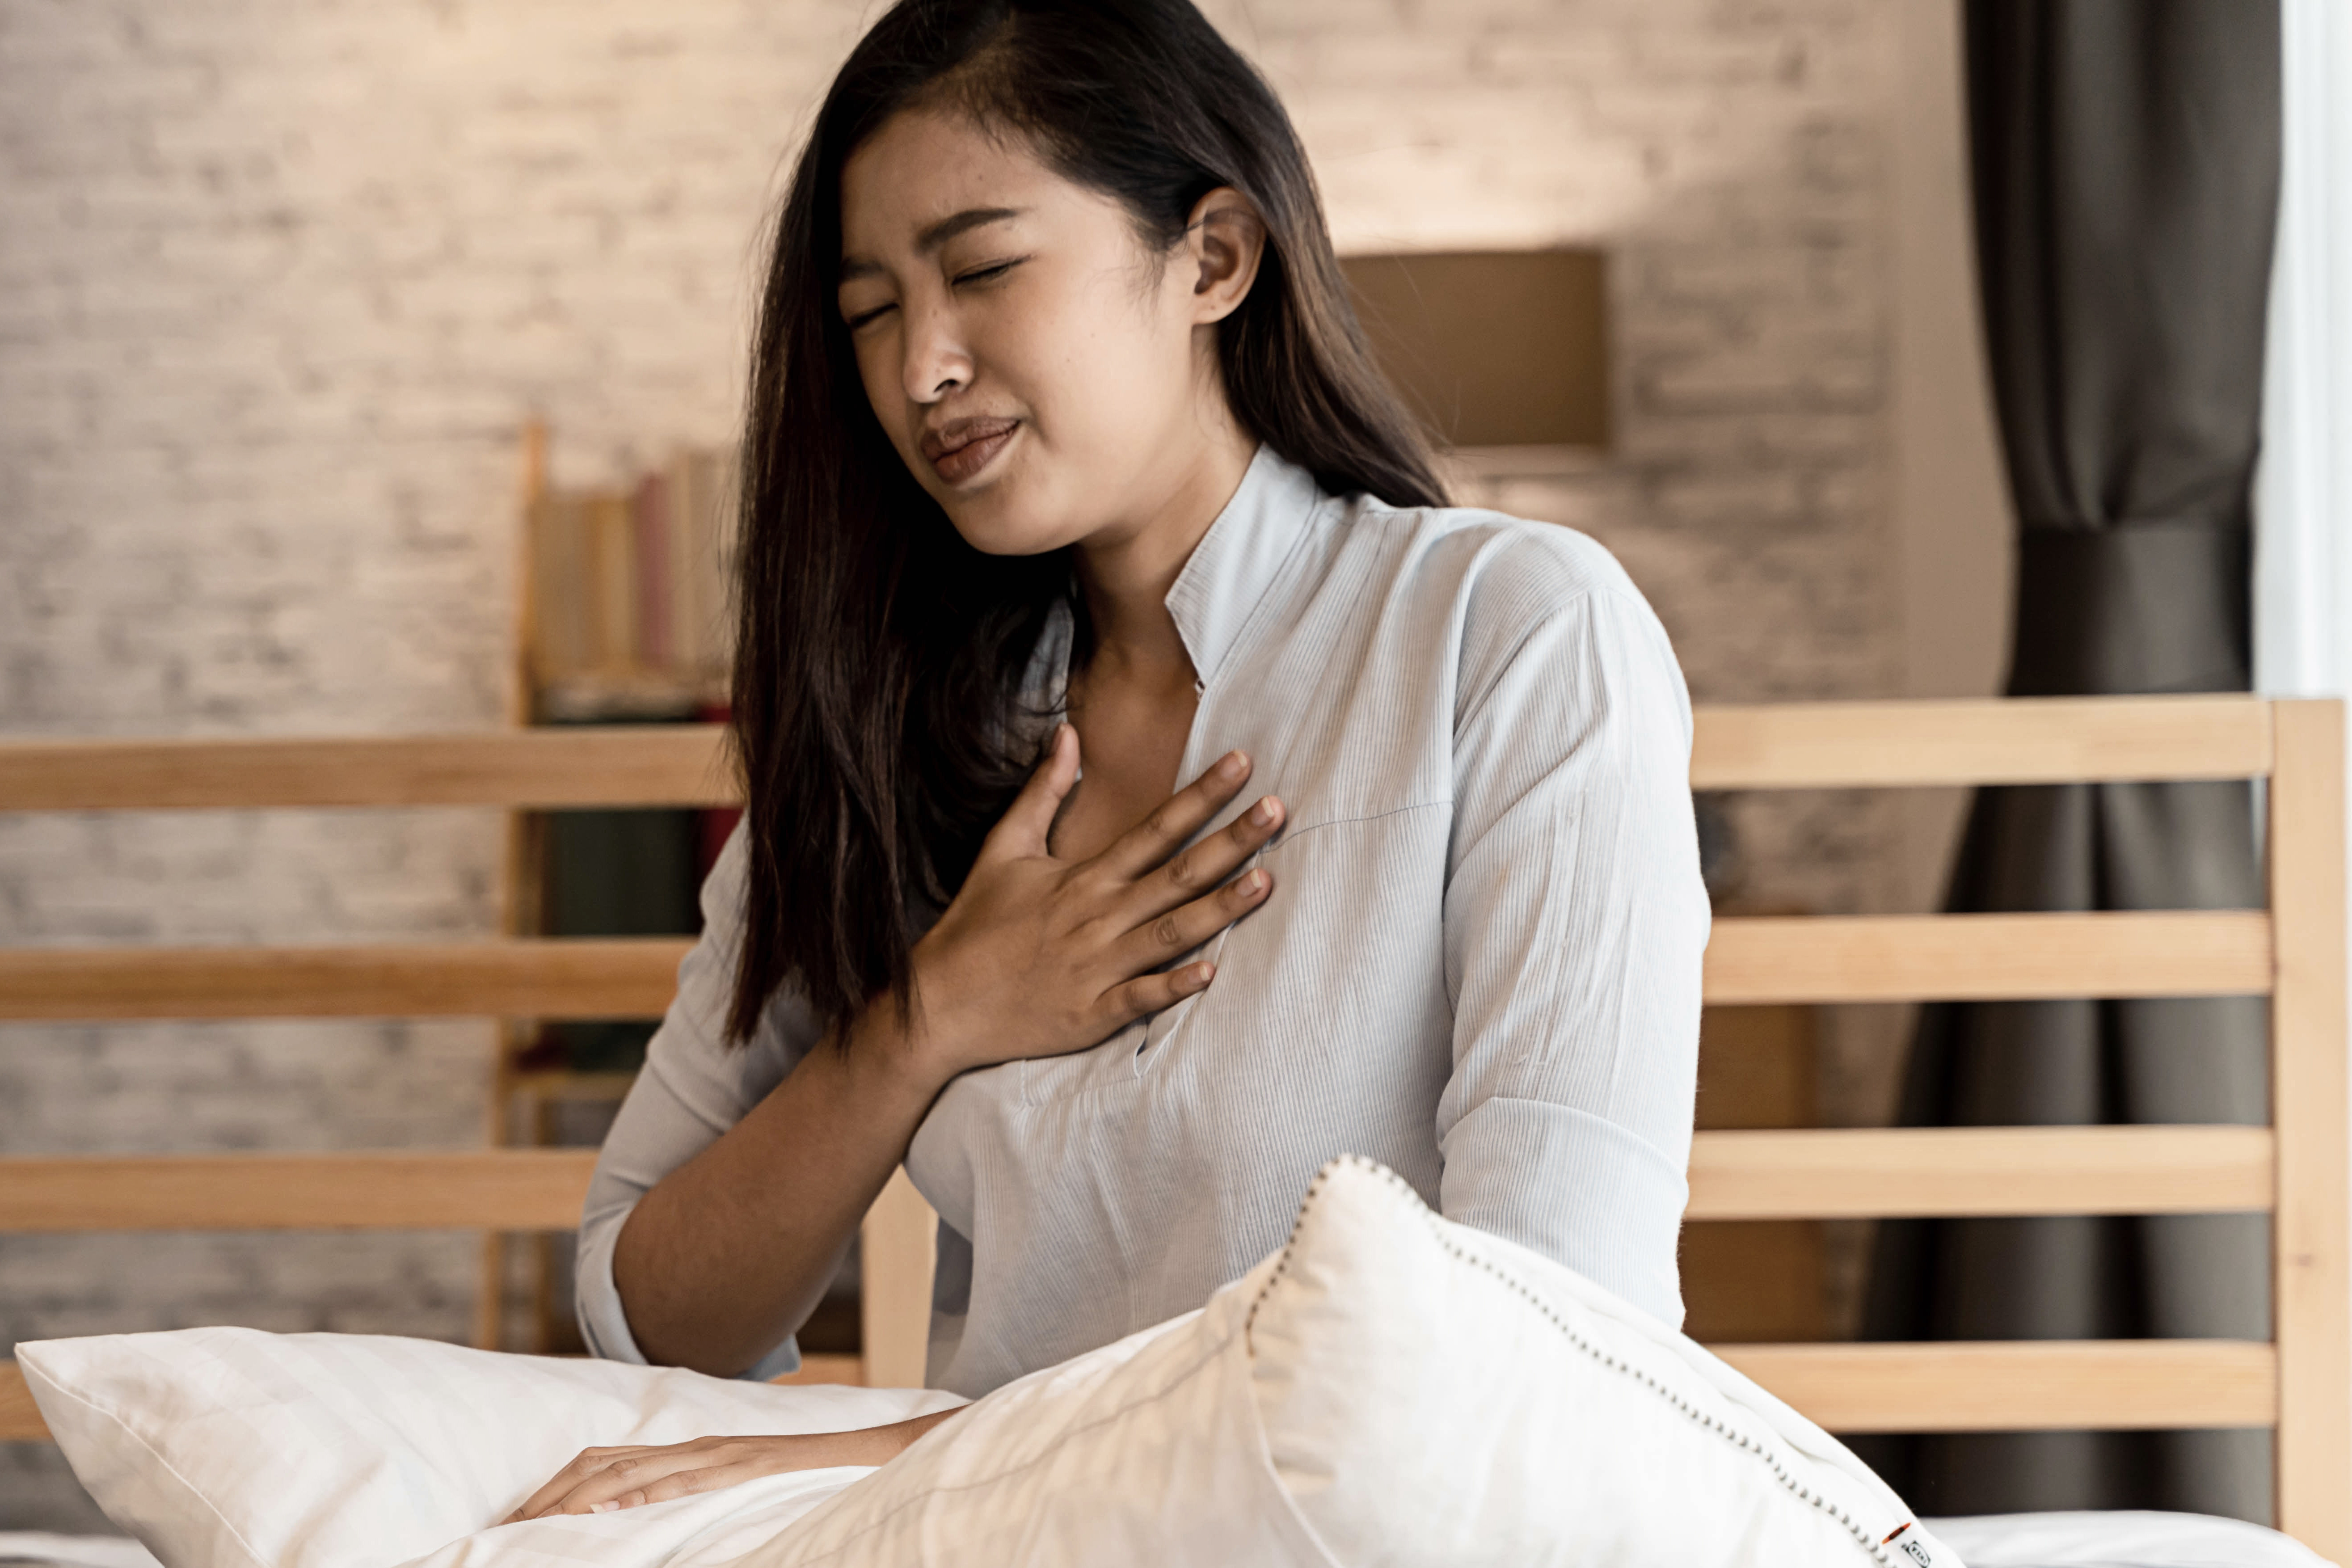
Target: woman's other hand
x,y
603,1479
1039,956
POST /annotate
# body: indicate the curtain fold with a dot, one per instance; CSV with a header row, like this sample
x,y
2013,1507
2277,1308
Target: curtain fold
x,y
2125,164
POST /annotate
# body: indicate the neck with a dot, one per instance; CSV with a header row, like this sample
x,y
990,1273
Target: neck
x,y
1126,574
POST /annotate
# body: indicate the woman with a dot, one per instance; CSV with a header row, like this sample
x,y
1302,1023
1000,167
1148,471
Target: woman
x,y
1065,461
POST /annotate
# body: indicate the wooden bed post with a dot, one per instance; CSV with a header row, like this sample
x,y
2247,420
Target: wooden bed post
x,y
896,1249
2310,1102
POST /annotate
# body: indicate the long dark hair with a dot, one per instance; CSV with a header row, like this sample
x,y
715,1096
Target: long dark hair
x,y
880,658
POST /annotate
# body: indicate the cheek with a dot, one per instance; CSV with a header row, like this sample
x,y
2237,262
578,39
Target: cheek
x,y
1109,378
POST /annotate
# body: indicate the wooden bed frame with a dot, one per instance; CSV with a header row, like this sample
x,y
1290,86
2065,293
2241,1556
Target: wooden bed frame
x,y
2300,1381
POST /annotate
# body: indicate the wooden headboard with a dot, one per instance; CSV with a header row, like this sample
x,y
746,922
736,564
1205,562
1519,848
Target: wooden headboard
x,y
2300,1381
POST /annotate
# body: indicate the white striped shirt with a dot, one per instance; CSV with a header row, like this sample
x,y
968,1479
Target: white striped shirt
x,y
1480,964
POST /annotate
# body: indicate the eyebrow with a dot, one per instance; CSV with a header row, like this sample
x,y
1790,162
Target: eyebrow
x,y
933,236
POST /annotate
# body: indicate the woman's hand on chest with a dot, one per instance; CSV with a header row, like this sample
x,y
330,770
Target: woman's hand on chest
x,y
1040,956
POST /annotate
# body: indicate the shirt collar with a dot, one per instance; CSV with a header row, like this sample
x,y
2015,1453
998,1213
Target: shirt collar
x,y
1242,554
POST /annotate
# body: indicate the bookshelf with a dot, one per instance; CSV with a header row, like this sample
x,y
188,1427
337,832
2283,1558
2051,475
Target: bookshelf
x,y
623,614
628,608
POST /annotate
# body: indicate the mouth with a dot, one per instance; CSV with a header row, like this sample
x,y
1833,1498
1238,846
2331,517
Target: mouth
x,y
959,449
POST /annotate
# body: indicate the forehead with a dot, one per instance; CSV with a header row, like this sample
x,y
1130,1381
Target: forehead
x,y
925,166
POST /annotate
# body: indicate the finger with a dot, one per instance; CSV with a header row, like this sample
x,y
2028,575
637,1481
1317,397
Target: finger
x,y
1196,868
602,1491
588,1463
1022,829
687,1483
1149,993
1149,844
1182,930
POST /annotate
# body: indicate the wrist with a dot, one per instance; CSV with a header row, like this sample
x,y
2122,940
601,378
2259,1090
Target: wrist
x,y
896,1060
880,1445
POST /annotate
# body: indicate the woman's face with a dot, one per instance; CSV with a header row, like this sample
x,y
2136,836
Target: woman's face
x,y
1044,376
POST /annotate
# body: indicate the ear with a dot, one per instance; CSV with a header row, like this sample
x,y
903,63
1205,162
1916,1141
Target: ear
x,y
1225,239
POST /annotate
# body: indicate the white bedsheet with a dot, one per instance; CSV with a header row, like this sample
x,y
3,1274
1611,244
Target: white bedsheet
x,y
1995,1540
2118,1539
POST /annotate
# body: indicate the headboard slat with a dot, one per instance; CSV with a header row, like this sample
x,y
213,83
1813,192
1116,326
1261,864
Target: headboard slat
x,y
1812,1174
1798,745
2312,1275
501,1189
1918,958
557,766
1912,1172
1875,958
570,977
2021,1387
2038,739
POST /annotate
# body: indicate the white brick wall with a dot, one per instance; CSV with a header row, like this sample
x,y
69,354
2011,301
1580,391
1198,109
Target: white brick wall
x,y
280,281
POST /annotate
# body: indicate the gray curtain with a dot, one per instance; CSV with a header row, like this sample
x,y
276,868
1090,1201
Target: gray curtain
x,y
2126,158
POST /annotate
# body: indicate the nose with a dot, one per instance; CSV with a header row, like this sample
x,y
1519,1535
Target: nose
x,y
937,362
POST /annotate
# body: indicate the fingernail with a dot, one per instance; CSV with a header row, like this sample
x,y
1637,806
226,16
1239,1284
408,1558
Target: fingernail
x,y
1201,976
1232,765
603,1507
1254,884
1266,811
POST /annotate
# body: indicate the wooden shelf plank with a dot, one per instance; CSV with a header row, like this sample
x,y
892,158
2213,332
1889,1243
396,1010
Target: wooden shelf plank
x,y
490,1189
2021,1387
1921,958
635,764
2049,740
1870,1173
631,977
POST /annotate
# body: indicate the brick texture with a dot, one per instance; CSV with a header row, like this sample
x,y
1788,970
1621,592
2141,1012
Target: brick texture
x,y
280,283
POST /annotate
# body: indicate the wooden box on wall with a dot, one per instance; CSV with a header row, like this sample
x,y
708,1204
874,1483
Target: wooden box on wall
x,y
1496,348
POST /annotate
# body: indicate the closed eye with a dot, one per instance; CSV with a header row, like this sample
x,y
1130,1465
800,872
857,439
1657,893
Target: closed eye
x,y
991,272
859,321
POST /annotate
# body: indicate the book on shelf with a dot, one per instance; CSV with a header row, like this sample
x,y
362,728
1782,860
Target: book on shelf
x,y
632,604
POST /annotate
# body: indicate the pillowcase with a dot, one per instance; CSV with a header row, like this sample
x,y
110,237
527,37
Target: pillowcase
x,y
234,1448
1390,1388
1431,1394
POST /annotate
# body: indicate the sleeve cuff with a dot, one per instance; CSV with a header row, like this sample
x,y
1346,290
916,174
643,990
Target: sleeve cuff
x,y
1579,1189
605,1326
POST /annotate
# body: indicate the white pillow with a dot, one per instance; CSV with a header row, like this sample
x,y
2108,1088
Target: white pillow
x,y
1431,1394
1390,1388
233,1448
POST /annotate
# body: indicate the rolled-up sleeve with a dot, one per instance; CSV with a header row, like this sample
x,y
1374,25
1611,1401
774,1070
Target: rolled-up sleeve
x,y
1576,925
693,1089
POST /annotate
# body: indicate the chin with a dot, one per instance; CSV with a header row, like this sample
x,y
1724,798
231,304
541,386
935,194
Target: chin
x,y
995,521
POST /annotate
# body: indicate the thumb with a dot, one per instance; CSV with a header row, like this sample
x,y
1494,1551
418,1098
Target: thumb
x,y
1026,822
